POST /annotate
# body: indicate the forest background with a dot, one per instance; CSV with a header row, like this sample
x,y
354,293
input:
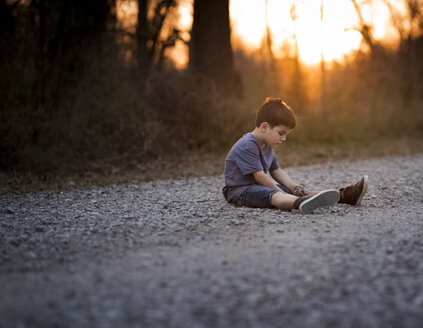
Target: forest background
x,y
85,89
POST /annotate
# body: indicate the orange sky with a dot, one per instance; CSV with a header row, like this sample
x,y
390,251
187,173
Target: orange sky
x,y
335,38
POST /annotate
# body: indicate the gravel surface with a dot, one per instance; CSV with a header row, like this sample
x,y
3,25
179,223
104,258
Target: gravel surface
x,y
174,254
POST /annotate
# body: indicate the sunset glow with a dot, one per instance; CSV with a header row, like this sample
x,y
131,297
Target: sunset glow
x,y
336,37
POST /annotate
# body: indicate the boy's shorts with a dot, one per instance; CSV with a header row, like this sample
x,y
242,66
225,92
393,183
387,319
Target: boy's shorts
x,y
259,196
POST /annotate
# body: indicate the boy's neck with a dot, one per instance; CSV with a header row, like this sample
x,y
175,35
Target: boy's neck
x,y
260,140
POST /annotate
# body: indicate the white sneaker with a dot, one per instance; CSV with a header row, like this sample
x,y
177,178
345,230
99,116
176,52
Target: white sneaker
x,y
324,198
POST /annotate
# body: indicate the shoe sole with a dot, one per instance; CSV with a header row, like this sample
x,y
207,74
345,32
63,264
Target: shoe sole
x,y
363,192
323,198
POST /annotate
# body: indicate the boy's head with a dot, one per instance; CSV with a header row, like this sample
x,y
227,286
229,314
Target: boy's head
x,y
275,112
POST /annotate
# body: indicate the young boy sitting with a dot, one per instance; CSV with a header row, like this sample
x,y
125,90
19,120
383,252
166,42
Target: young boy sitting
x,y
252,156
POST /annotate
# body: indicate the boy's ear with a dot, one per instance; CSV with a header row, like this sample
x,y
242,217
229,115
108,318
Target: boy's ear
x,y
264,125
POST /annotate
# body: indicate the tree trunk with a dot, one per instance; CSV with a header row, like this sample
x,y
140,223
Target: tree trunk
x,y
6,18
143,53
296,85
7,31
41,60
272,70
210,50
322,64
68,33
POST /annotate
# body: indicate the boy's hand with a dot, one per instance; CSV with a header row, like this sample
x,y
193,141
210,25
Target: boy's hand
x,y
299,190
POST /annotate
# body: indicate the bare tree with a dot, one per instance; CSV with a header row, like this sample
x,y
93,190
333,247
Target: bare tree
x,y
7,31
6,17
210,50
297,89
268,37
414,16
396,19
364,28
143,53
270,58
322,63
410,54
68,33
415,13
150,40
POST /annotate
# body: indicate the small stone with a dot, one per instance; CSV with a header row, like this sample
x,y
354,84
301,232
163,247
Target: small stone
x,y
31,255
14,242
69,294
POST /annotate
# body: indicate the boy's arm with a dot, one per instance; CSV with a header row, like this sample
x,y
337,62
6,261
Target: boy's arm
x,y
280,176
262,179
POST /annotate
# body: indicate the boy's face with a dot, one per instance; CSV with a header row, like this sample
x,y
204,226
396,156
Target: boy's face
x,y
276,135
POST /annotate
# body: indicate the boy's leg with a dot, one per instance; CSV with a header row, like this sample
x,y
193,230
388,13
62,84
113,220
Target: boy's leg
x,y
264,197
306,204
257,196
283,201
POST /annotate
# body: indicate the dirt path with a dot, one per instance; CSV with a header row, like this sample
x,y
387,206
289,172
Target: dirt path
x,y
175,254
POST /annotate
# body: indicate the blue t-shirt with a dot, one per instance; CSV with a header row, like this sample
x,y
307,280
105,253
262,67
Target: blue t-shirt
x,y
245,158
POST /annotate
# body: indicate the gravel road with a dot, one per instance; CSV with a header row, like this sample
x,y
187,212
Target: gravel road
x,y
174,254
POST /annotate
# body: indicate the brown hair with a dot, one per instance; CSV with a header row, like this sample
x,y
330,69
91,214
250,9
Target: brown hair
x,y
275,112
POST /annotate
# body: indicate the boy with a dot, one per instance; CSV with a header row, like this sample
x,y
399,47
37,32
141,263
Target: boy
x,y
252,156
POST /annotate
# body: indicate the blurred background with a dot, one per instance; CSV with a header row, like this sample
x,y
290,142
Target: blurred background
x,y
86,83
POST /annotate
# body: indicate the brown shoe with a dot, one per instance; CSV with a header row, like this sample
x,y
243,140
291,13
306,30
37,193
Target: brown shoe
x,y
354,194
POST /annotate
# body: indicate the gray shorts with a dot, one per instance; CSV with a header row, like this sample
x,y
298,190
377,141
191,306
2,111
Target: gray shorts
x,y
259,196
